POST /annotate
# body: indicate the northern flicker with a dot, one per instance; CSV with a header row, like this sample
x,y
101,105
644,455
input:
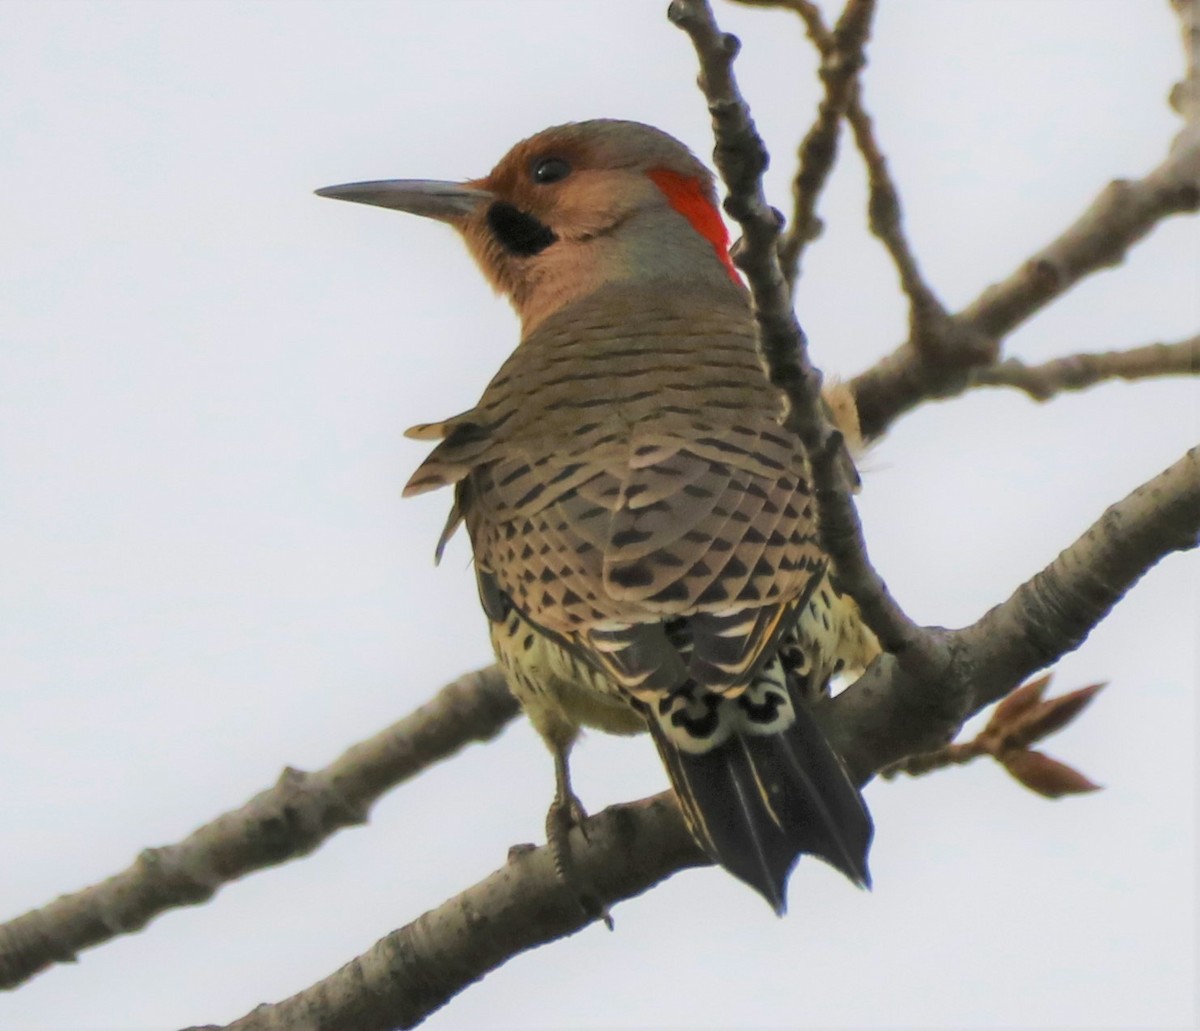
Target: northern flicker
x,y
643,526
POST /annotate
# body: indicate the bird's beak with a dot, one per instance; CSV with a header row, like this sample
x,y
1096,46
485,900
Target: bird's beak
x,y
446,202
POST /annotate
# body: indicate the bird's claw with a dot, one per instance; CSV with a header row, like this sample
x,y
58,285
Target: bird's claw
x,y
567,813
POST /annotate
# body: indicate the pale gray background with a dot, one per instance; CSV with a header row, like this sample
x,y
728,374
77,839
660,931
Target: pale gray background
x,y
207,571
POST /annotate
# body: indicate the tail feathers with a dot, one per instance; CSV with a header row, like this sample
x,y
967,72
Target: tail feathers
x,y
755,803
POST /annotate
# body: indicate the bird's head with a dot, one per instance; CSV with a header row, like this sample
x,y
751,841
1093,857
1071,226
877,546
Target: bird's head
x,y
575,208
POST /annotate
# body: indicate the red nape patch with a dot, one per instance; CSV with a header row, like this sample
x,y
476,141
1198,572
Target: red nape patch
x,y
687,196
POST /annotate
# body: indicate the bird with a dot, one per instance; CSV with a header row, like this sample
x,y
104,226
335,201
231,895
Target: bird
x,y
643,524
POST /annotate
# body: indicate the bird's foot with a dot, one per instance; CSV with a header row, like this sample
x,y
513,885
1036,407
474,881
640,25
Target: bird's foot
x,y
566,813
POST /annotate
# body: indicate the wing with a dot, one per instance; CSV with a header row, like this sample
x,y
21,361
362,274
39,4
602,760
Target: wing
x,y
608,557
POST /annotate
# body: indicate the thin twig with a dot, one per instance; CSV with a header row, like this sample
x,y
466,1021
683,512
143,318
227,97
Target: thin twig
x,y
842,56
934,336
284,822
1079,371
807,10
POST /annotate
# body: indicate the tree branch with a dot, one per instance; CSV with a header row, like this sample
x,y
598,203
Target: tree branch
x,y
842,57
887,715
417,969
1079,371
741,158
284,822
1054,612
1185,97
1124,212
932,332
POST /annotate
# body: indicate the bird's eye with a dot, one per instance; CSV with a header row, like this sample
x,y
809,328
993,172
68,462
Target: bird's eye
x,y
550,170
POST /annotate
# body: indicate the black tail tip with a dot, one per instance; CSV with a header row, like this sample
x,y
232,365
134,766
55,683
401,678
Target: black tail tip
x,y
757,802
774,890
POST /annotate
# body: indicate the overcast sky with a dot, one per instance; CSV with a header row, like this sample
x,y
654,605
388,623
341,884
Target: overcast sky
x,y
207,572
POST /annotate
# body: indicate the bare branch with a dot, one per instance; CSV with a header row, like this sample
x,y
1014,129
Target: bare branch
x,y
741,158
932,332
1123,213
887,715
1060,605
1185,97
287,821
807,10
841,53
413,971
1079,371
935,338
841,61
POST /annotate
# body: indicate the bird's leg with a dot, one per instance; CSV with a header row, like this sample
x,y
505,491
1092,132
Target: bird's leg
x,y
567,812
